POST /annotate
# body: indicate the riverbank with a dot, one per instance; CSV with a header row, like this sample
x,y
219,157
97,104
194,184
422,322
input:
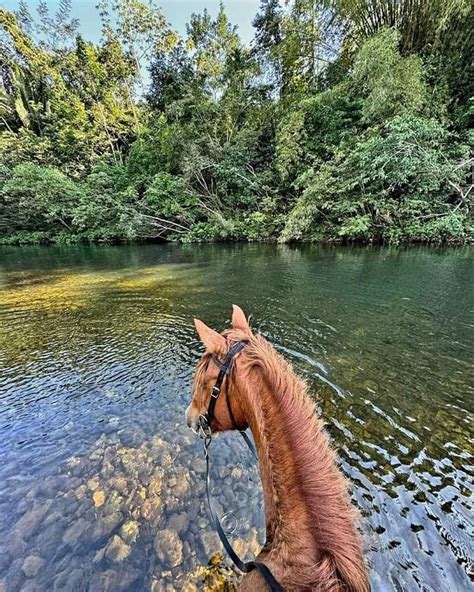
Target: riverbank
x,y
369,142
65,239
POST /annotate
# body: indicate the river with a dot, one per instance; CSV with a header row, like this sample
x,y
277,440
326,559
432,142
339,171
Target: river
x,y
101,483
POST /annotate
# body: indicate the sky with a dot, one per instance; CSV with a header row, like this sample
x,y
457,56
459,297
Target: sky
x,y
240,12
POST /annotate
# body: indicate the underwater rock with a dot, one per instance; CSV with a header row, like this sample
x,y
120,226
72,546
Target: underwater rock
x,y
137,498
105,525
112,581
98,498
96,455
178,522
249,546
167,459
76,465
162,584
182,486
14,576
93,484
5,559
69,580
210,543
31,565
130,531
33,586
107,469
75,532
158,443
203,522
189,586
81,492
30,521
52,485
171,503
117,550
99,555
236,473
151,509
114,502
134,461
169,548
131,437
17,546
199,466
193,509
110,455
155,484
52,518
119,484
49,539
241,500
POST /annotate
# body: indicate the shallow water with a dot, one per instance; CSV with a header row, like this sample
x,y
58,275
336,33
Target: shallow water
x,y
102,486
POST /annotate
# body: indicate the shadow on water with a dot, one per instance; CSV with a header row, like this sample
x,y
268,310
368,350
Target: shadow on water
x,y
101,485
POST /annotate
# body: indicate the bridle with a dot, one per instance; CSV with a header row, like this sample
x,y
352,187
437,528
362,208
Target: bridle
x,y
206,433
224,370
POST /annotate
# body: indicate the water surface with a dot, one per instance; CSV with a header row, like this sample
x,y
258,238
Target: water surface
x,y
101,485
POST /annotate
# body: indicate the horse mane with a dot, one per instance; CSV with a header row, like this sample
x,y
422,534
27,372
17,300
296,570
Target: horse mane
x,y
323,488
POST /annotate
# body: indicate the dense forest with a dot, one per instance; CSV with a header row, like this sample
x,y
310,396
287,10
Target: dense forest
x,y
343,120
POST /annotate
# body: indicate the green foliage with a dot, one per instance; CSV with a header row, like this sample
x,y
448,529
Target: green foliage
x,y
390,84
167,197
391,186
348,122
257,226
290,144
39,198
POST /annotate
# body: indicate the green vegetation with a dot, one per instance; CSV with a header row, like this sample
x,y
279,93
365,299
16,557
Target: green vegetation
x,y
344,121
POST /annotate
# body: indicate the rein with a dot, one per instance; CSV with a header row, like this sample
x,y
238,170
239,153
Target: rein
x,y
205,427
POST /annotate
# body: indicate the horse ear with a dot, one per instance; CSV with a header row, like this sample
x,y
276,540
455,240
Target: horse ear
x,y
213,341
239,320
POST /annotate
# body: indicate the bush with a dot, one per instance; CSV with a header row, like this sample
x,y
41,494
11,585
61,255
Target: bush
x,y
39,198
391,187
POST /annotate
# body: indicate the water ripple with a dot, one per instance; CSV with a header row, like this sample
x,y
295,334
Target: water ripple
x,y
97,351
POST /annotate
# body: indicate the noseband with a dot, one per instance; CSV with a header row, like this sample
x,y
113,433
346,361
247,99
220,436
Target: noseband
x,y
205,428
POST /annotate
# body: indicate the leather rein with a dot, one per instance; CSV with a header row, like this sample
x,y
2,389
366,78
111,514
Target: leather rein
x,y
205,430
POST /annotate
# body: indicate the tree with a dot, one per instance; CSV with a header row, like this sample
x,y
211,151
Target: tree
x,y
141,28
210,43
397,186
390,83
342,121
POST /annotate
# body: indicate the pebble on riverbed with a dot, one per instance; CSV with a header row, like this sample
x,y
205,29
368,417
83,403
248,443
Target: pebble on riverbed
x,y
32,565
117,550
132,510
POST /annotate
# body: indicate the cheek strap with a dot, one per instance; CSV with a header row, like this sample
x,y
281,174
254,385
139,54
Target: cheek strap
x,y
224,370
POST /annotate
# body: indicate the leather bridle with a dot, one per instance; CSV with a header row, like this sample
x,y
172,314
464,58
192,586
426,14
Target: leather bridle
x,y
206,432
224,370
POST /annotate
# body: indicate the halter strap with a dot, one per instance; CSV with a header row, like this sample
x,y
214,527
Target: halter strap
x,y
224,370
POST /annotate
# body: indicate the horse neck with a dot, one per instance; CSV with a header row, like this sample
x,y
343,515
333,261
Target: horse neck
x,y
309,520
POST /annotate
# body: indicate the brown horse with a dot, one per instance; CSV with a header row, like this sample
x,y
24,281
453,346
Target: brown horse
x,y
312,541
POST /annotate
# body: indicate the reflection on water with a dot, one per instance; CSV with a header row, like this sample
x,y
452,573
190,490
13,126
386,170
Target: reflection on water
x,y
102,487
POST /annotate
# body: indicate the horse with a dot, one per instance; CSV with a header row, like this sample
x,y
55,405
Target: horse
x,y
312,541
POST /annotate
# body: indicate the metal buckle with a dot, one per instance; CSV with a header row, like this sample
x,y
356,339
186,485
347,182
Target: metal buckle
x,y
204,430
215,392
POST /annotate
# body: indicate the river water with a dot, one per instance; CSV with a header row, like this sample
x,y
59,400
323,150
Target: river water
x,y
101,484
